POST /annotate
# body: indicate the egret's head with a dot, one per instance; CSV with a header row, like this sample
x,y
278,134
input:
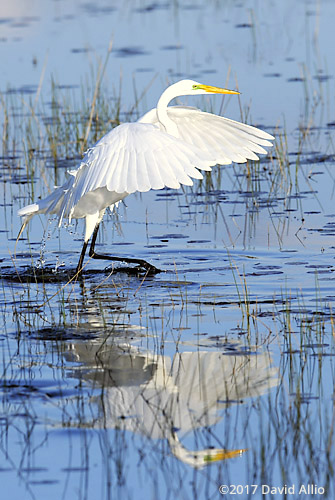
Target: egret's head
x,y
189,87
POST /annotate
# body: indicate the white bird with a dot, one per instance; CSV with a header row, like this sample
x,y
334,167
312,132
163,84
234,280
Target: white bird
x,y
165,148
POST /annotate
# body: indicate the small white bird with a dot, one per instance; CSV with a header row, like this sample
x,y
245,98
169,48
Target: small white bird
x,y
165,148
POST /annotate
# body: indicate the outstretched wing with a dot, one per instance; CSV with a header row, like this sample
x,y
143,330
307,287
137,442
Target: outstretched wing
x,y
137,157
227,140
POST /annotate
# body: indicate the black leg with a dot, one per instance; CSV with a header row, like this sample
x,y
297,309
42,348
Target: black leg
x,y
142,263
81,259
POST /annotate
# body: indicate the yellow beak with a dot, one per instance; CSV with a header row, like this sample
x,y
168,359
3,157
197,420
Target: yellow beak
x,y
214,90
223,455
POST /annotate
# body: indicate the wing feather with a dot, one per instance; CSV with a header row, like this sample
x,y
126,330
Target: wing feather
x,y
238,141
225,139
183,170
144,181
168,175
154,174
230,145
124,172
137,157
113,178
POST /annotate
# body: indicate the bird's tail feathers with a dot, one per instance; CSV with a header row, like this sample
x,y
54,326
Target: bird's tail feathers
x,y
52,204
28,211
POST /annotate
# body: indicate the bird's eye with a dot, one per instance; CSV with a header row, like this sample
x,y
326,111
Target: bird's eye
x,y
195,87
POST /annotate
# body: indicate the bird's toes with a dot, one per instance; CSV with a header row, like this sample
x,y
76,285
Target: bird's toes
x,y
150,269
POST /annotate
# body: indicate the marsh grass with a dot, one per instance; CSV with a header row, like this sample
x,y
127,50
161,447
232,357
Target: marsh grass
x,y
41,139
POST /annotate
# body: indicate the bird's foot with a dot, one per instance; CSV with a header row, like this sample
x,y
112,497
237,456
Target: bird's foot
x,y
142,265
149,269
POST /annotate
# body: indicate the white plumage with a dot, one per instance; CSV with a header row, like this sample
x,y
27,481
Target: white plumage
x,y
167,147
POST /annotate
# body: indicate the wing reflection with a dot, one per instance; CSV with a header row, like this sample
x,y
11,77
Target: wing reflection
x,y
159,397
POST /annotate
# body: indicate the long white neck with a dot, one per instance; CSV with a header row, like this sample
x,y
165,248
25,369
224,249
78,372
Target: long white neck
x,y
162,114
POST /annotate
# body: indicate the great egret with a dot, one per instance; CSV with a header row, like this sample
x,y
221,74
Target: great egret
x,y
166,147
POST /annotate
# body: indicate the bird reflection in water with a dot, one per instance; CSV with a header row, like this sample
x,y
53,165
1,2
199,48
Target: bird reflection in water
x,y
160,398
